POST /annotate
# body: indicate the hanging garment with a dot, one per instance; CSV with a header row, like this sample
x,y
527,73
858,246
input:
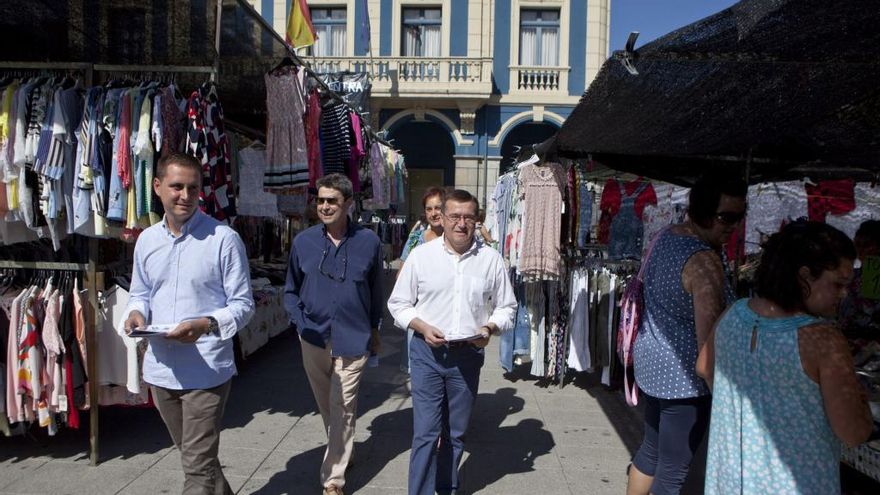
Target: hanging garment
x,y
867,198
626,230
537,301
253,199
671,208
584,216
542,186
610,204
517,342
771,205
312,127
830,196
207,142
335,143
357,152
287,161
173,122
579,324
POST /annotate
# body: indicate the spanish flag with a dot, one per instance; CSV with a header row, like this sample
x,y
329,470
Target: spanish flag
x,y
300,31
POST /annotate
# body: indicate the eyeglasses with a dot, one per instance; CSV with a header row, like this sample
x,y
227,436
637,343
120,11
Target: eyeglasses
x,y
730,217
455,218
335,278
329,201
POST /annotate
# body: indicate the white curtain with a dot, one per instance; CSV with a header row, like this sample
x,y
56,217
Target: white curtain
x,y
337,35
528,41
330,42
430,41
549,47
410,42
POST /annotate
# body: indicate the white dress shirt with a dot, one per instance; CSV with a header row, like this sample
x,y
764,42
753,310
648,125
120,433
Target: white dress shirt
x,y
457,294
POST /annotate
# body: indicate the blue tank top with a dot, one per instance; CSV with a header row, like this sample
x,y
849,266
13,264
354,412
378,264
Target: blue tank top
x,y
665,352
769,432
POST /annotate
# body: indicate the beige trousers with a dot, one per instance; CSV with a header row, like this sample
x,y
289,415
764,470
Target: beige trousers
x,y
335,382
194,419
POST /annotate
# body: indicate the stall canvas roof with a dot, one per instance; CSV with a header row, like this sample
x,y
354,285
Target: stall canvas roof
x,y
790,86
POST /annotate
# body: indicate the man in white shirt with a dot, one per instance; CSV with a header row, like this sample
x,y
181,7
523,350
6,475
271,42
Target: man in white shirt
x,y
454,293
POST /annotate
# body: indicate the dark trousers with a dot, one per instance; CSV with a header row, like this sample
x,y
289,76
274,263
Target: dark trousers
x,y
194,419
443,380
674,429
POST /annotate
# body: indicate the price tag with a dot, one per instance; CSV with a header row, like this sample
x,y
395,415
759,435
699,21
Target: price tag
x,y
870,277
62,403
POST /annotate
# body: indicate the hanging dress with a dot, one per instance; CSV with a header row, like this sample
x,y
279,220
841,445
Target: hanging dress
x,y
287,161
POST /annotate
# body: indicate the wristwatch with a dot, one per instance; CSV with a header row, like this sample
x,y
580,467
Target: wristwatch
x,y
213,326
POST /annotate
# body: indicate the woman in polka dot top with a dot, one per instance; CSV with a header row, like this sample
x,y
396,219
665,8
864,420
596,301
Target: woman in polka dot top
x,y
685,291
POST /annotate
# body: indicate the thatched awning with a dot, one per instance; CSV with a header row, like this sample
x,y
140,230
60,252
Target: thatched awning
x,y
795,84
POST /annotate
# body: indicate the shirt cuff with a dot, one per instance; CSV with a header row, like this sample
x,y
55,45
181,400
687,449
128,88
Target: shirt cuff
x,y
225,323
502,323
405,317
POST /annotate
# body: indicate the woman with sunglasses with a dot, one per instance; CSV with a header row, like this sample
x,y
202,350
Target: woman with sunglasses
x,y
428,228
785,392
685,291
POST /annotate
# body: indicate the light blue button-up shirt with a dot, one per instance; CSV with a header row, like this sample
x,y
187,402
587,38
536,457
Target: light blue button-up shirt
x,y
203,272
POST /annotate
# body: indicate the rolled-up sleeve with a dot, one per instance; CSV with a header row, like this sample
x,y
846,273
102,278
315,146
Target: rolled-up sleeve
x,y
402,303
237,285
504,314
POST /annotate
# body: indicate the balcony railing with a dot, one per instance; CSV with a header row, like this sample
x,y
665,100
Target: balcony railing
x,y
539,78
438,76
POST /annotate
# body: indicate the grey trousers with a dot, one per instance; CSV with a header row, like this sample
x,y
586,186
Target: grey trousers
x,y
194,419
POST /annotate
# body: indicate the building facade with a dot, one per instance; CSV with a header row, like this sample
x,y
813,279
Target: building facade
x,y
459,84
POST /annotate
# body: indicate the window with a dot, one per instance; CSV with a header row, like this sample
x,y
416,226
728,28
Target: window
x,y
330,25
539,38
421,33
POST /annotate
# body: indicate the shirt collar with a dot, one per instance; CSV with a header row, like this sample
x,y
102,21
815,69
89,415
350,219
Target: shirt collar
x,y
187,227
472,251
348,231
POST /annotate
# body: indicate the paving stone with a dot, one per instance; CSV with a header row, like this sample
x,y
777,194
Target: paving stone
x,y
74,478
16,469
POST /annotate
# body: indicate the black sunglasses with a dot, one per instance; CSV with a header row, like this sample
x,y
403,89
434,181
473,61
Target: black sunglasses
x,y
336,278
730,217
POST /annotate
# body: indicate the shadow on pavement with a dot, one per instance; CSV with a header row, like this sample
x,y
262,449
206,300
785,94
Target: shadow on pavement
x,y
495,451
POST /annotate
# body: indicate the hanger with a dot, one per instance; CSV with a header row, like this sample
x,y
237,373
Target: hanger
x,y
285,62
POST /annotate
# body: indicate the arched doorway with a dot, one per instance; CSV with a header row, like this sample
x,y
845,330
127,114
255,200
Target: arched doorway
x,y
523,134
428,151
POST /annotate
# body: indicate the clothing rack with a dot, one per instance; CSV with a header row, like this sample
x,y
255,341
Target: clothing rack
x,y
93,275
93,282
305,66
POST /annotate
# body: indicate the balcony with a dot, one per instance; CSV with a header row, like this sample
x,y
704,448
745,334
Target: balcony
x,y
408,77
529,79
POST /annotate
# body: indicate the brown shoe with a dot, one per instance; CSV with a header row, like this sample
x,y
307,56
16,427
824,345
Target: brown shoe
x,y
333,490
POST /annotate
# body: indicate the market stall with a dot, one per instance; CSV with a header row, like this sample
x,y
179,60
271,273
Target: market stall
x,y
785,92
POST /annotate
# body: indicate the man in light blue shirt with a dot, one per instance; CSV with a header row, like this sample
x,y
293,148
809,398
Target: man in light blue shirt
x,y
190,271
